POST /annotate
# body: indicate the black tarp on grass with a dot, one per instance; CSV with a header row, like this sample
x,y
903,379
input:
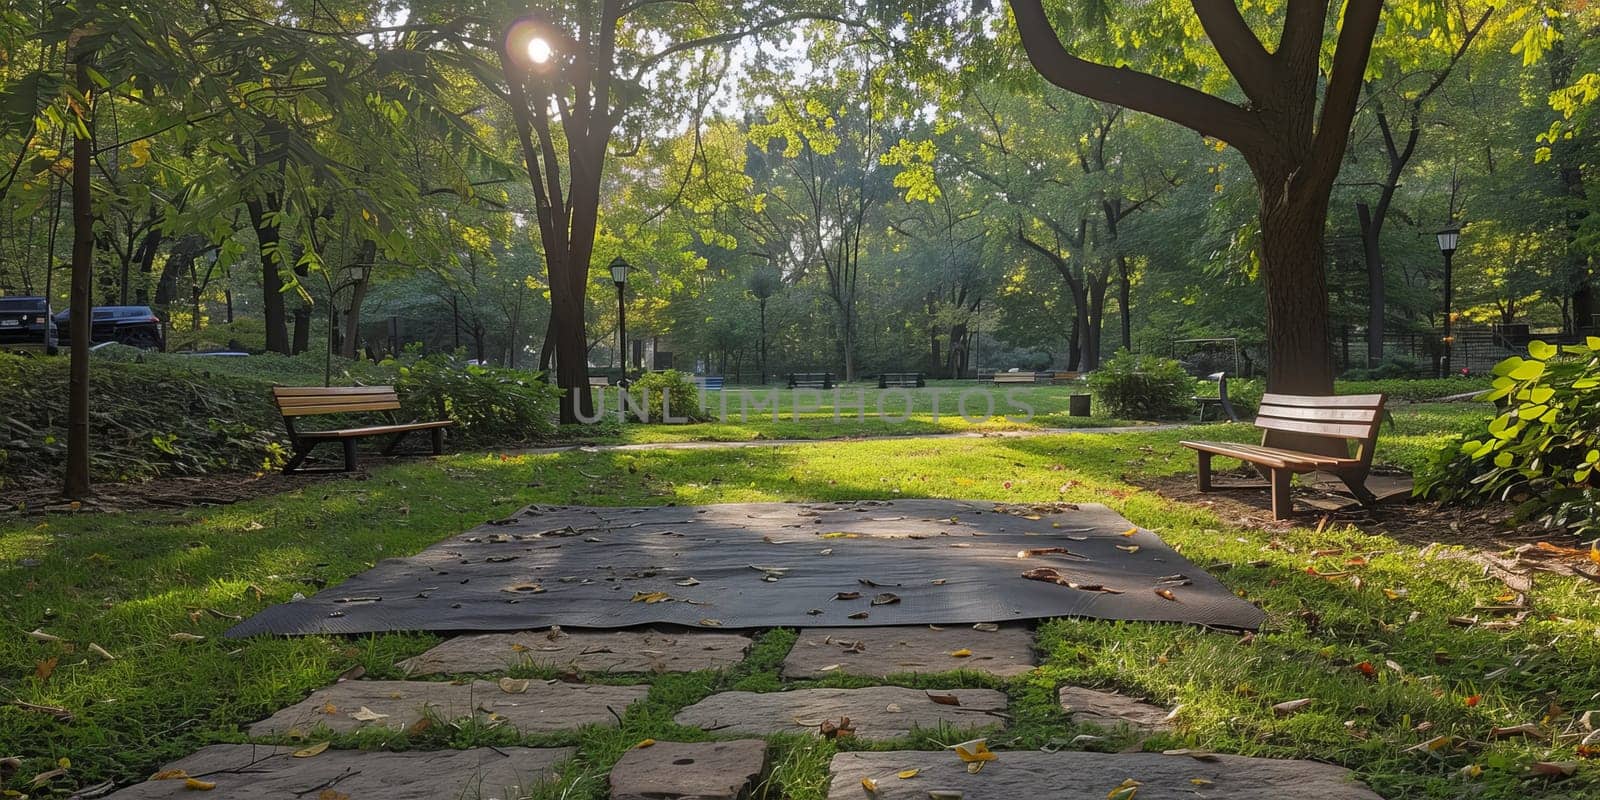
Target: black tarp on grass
x,y
758,565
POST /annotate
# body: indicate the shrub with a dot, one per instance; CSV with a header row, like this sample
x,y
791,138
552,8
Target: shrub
x,y
1415,390
1543,450
1143,387
684,394
488,404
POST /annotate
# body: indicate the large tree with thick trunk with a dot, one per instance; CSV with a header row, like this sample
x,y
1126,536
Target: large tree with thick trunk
x,y
1293,143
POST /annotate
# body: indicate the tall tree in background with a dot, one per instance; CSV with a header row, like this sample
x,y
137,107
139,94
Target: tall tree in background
x,y
1293,144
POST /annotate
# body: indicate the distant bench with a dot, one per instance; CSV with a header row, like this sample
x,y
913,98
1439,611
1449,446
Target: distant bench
x,y
1015,377
1344,418
599,381
903,380
810,380
710,383
303,401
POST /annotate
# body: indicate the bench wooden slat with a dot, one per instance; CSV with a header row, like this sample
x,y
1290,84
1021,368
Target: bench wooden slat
x,y
1339,430
1321,401
1366,415
1270,456
374,430
326,391
337,408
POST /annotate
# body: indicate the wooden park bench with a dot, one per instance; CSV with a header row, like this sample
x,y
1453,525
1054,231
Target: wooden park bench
x,y
1060,376
1344,419
1221,402
303,401
599,381
1014,377
903,380
711,383
810,380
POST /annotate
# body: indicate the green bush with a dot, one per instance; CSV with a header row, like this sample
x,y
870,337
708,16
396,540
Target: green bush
x,y
683,393
1543,450
1415,390
489,405
1392,367
1143,387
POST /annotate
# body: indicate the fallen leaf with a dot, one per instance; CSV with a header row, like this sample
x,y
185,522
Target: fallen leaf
x,y
986,627
870,785
1366,668
199,785
1433,745
887,598
1288,707
711,623
858,615
1125,790
687,582
1470,771
1525,729
1198,755
169,774
907,774
313,750
101,652
1129,548
41,636
1200,781
43,669
1472,700
842,730
847,596
1554,769
365,714
332,794
830,668
513,685
1167,595
643,743
944,699
186,637
650,597
975,753
1130,531
962,653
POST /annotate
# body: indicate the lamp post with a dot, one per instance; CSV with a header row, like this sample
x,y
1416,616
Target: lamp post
x,y
1447,245
619,276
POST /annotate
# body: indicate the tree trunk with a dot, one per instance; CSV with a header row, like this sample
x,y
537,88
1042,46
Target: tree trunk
x,y
1299,359
1094,322
268,243
76,485
1125,300
147,260
350,343
1370,229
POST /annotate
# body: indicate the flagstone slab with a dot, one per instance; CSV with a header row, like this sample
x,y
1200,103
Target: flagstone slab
x,y
544,706
884,651
876,713
583,651
1110,710
1090,776
253,772
690,771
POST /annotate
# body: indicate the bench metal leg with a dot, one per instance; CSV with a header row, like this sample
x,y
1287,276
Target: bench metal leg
x,y
438,440
1358,487
298,458
349,454
1205,471
1282,504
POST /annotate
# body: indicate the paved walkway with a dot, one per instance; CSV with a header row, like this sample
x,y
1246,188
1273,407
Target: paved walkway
x,y
470,687
1012,434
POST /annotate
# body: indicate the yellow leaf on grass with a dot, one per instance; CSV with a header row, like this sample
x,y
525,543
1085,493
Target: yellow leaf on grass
x,y
962,653
1594,551
643,743
199,785
1130,531
974,753
907,774
313,750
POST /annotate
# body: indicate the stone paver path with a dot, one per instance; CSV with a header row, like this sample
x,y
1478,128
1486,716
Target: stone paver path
x,y
876,713
538,707
585,651
698,771
1108,710
252,772
880,652
1089,776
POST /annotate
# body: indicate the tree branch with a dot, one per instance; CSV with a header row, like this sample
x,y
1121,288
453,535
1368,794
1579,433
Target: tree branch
x,y
1241,51
1344,85
1210,115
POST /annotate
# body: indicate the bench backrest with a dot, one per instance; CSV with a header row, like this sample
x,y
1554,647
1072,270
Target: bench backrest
x,y
1350,417
302,401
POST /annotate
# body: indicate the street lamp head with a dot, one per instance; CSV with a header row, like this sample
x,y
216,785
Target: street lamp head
x,y
1448,238
619,271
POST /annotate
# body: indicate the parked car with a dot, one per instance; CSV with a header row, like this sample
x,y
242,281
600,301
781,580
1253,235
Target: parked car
x,y
135,326
26,322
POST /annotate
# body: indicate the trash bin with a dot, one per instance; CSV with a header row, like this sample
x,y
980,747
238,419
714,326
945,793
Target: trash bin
x,y
1078,405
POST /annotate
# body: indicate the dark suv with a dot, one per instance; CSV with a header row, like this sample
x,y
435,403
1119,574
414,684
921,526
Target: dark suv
x,y
135,326
26,322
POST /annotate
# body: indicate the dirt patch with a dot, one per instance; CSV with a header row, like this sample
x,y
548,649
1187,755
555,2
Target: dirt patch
x,y
164,493
1414,522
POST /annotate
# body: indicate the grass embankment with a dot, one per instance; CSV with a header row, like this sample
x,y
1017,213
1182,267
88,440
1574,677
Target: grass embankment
x,y
129,582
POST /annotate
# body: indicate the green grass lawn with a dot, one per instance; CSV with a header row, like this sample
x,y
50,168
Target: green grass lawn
x,y
129,583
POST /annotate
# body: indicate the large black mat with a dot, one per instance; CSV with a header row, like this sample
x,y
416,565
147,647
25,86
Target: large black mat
x,y
769,564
